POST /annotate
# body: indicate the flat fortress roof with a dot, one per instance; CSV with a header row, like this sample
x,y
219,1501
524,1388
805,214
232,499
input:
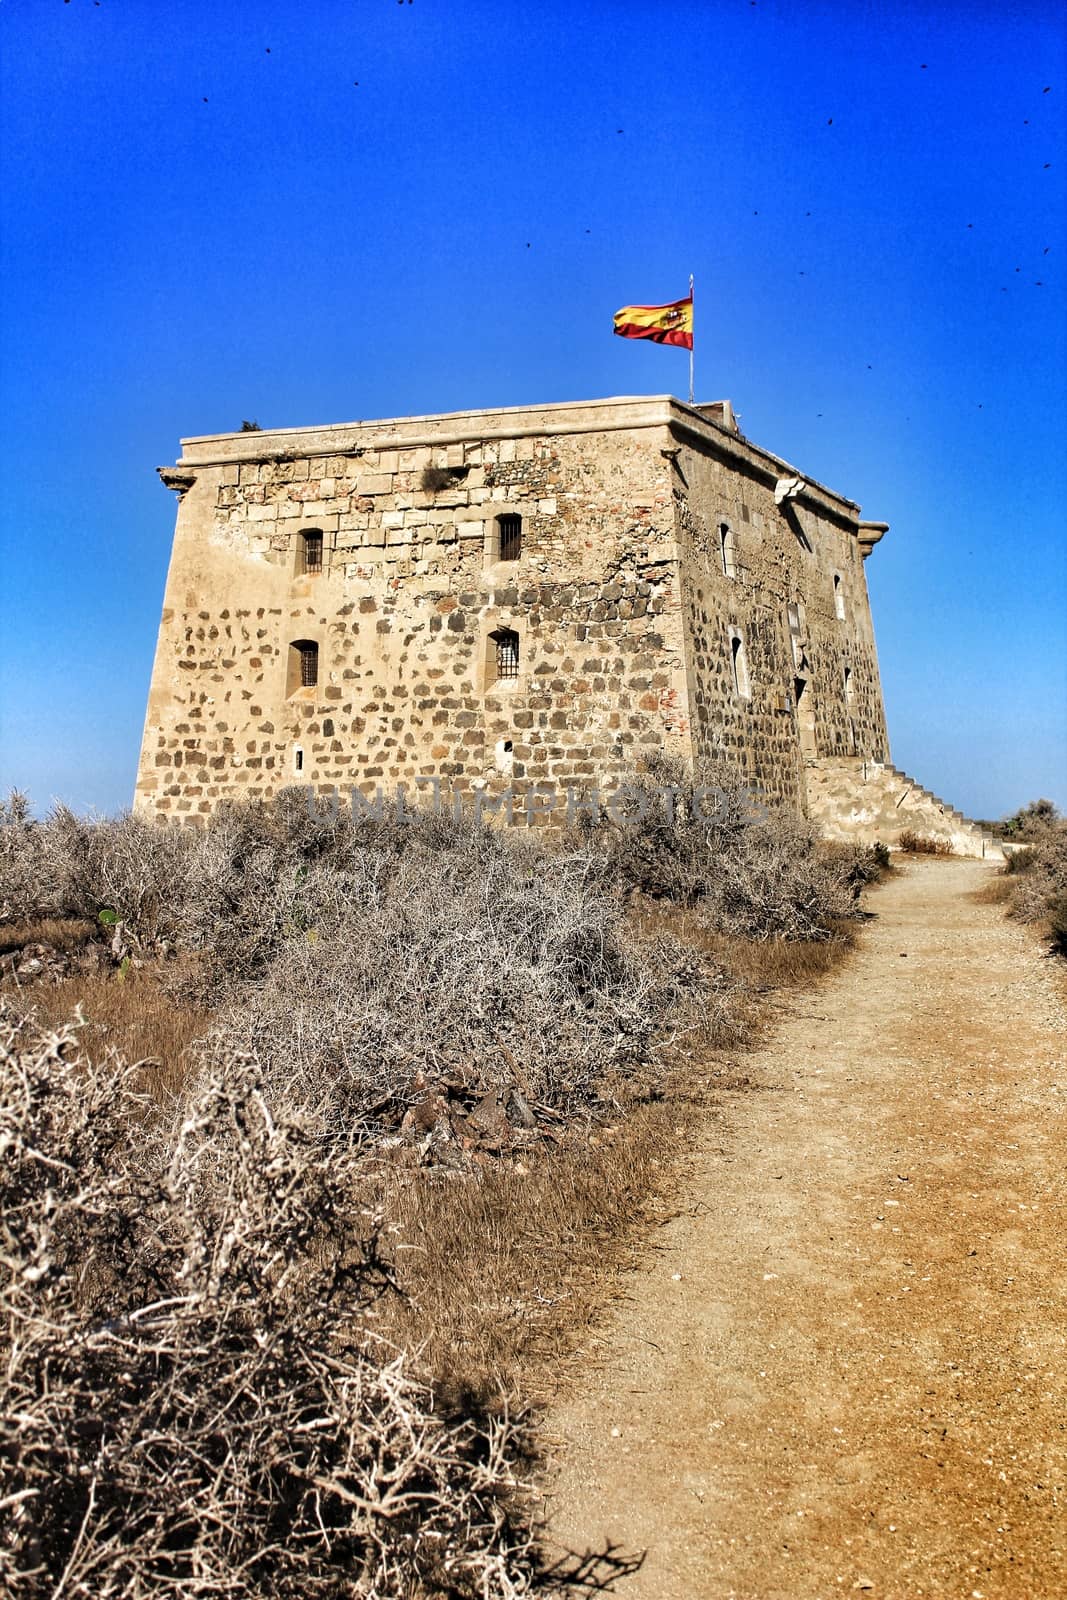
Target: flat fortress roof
x,y
461,427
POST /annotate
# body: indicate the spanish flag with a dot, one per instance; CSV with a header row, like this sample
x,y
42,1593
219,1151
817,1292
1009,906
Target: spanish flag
x,y
672,324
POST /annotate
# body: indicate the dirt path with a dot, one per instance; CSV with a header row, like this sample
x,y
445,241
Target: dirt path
x,y
843,1369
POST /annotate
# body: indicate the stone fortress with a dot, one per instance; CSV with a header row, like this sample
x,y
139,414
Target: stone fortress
x,y
535,595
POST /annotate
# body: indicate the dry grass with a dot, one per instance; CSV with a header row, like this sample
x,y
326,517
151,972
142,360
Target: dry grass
x,y
997,892
60,932
761,965
774,964
923,844
128,1012
504,1268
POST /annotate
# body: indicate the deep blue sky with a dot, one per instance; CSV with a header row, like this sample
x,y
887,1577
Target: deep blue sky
x,y
204,219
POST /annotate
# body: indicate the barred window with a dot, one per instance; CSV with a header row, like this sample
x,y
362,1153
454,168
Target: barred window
x,y
506,643
303,665
312,551
510,533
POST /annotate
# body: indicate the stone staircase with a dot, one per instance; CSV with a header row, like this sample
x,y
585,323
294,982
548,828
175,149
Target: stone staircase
x,y
873,801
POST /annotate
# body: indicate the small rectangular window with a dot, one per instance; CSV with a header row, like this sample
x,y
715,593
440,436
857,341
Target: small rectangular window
x,y
303,667
505,642
312,552
839,598
510,527
309,662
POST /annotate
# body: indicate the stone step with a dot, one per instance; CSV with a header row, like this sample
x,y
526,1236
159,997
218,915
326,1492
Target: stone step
x,y
858,797
856,764
929,795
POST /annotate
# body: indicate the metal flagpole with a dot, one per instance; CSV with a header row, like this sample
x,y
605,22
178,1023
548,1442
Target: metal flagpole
x,y
692,339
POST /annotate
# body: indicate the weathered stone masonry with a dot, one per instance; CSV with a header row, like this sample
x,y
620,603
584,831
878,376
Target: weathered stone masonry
x,y
677,589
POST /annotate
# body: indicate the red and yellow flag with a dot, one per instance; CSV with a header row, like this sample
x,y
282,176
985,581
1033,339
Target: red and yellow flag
x,y
671,324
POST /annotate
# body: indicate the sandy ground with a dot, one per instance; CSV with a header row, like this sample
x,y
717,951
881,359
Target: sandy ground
x,y
842,1369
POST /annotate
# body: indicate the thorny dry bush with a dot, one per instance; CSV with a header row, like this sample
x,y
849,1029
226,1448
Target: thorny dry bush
x,y
225,891
1031,823
190,1402
22,894
494,980
362,960
751,871
371,964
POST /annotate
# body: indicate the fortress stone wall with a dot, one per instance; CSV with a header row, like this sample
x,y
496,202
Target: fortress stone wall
x,y
533,595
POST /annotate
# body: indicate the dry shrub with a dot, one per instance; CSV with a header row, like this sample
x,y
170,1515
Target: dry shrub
x,y
1019,860
364,958
21,894
232,885
923,844
1034,880
753,872
360,958
1032,822
1057,924
781,884
1038,880
865,864
239,889
477,973
74,866
191,1401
